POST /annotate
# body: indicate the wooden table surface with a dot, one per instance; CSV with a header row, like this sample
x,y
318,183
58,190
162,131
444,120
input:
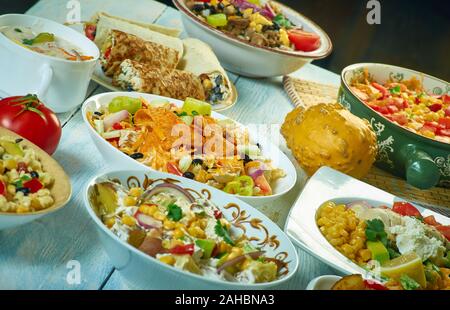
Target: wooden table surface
x,y
40,255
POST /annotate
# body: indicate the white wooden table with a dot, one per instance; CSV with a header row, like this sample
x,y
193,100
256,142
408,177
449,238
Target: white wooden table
x,y
38,255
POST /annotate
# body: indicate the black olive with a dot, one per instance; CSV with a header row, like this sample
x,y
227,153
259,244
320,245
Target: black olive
x,y
137,155
206,5
34,175
221,6
189,175
98,113
247,159
216,89
258,145
197,161
24,190
219,80
213,10
19,140
198,7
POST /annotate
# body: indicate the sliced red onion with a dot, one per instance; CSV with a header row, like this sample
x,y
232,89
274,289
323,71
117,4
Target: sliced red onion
x,y
357,204
147,221
117,117
173,189
255,172
268,12
237,260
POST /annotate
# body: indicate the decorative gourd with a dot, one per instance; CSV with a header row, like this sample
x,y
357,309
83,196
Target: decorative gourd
x,y
329,135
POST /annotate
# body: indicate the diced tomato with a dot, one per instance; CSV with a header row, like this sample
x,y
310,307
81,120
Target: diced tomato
x,y
381,88
445,99
117,126
182,249
447,112
22,167
2,188
444,122
401,119
428,127
392,109
435,107
398,102
430,220
375,285
443,132
262,183
444,230
406,209
90,30
172,168
108,53
34,185
304,41
217,214
405,104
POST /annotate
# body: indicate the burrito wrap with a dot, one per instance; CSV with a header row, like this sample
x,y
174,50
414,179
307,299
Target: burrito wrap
x,y
200,60
177,84
127,46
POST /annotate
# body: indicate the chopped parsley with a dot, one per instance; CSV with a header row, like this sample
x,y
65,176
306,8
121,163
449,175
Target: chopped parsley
x,y
282,21
221,231
395,90
175,212
28,41
375,231
17,30
408,283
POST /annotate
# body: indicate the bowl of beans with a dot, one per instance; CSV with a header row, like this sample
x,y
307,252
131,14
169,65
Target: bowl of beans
x,y
410,114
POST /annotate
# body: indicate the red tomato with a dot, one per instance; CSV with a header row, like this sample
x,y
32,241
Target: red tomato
x,y
375,285
183,249
430,220
2,188
304,41
90,30
447,112
444,230
401,119
443,132
217,214
381,88
29,118
117,126
425,127
406,209
172,168
444,122
108,53
392,109
435,107
445,99
34,185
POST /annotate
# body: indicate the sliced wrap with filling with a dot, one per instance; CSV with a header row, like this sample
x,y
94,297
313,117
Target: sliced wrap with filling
x,y
177,84
200,60
120,46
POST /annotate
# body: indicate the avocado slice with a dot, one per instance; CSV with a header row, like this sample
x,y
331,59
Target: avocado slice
x,y
378,250
12,148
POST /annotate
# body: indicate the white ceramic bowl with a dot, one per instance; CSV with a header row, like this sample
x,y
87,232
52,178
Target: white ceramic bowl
x,y
322,283
147,272
325,185
61,84
61,189
247,59
116,159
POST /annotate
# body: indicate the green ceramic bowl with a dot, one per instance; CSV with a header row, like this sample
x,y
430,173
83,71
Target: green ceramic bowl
x,y
422,161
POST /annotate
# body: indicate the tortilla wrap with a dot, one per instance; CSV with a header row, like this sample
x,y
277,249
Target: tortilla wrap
x,y
200,60
148,33
177,84
120,46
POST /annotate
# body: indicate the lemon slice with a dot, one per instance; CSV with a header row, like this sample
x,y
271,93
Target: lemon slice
x,y
408,264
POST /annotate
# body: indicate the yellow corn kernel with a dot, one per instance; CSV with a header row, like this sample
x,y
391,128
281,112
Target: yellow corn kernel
x,y
128,220
10,164
428,134
110,222
260,20
2,167
224,247
165,244
169,260
148,209
159,216
213,2
136,191
235,252
247,13
129,201
284,38
225,2
196,232
178,233
365,255
22,209
258,28
168,224
252,25
174,242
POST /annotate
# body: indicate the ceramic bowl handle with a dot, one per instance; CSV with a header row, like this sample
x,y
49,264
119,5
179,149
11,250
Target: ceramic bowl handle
x,y
47,75
420,169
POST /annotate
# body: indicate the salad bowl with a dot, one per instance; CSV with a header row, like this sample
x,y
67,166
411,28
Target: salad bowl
x,y
61,189
424,162
302,227
144,271
244,58
117,159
